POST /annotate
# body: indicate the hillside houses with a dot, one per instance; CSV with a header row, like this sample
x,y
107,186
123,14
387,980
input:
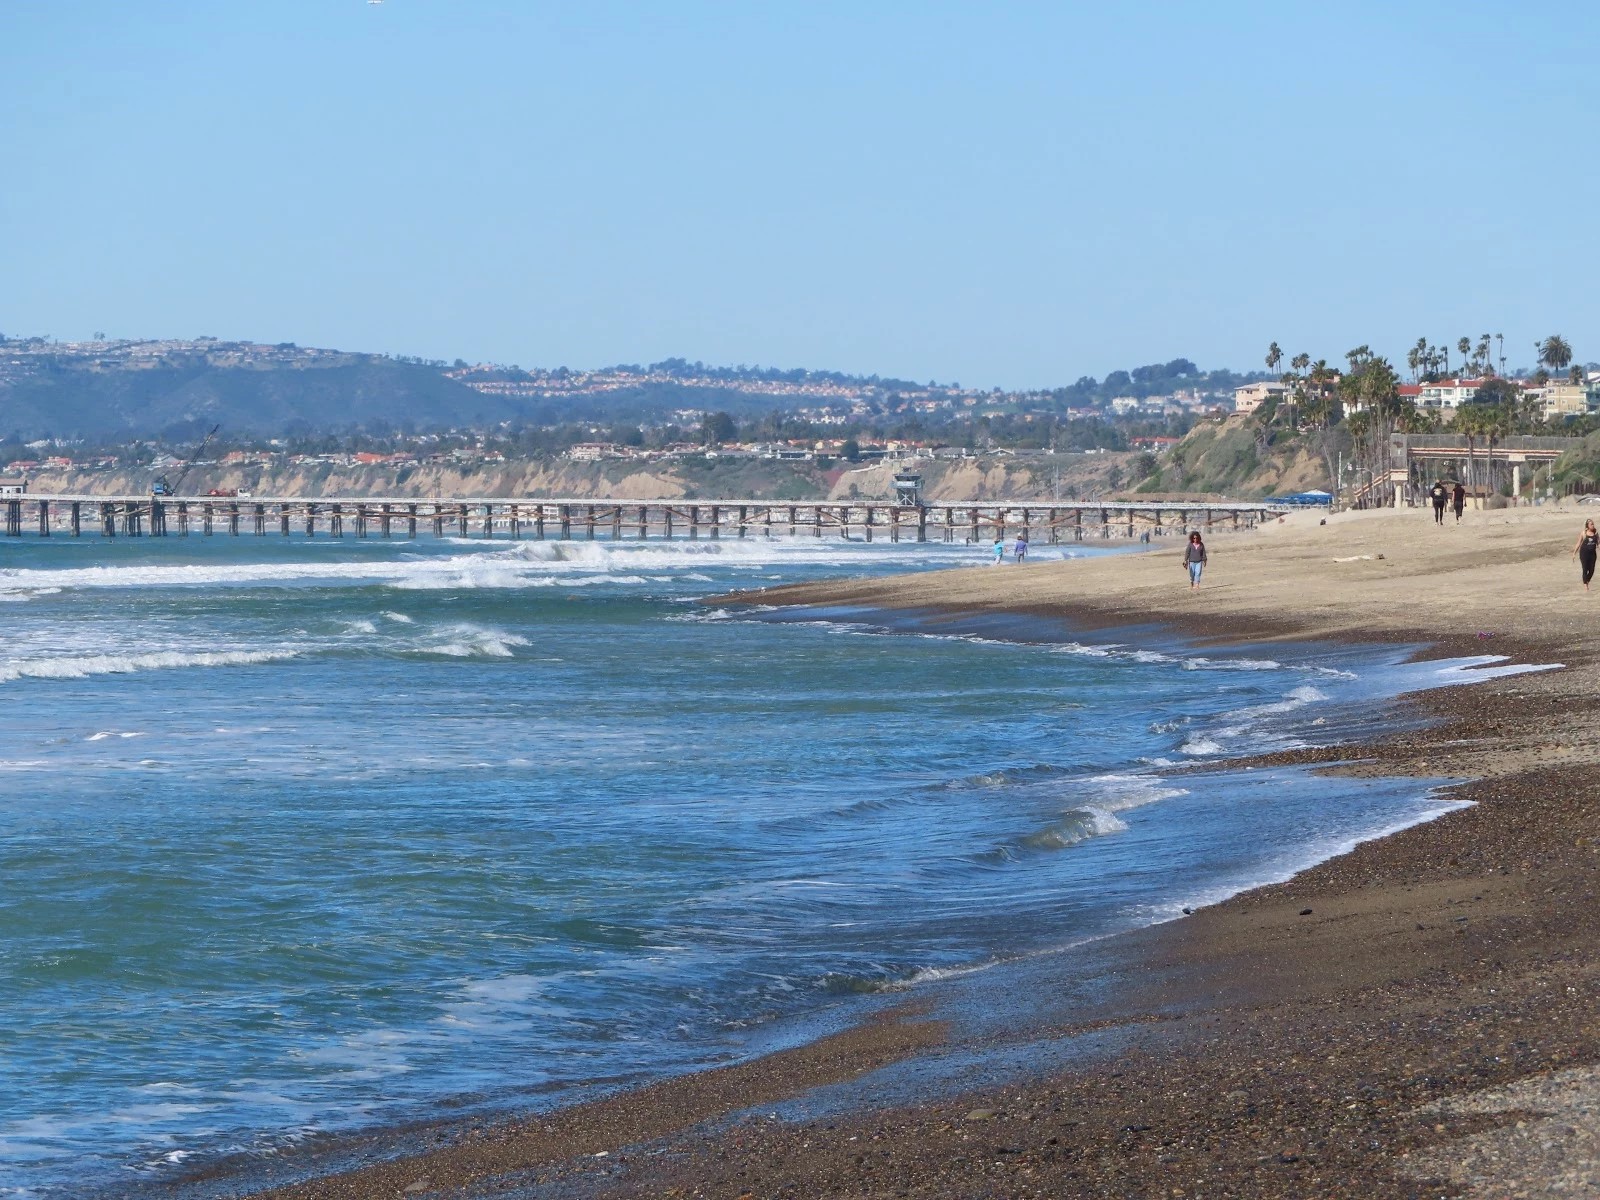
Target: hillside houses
x,y
1557,399
799,450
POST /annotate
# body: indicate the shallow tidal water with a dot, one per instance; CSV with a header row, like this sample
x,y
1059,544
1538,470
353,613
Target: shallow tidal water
x,y
305,837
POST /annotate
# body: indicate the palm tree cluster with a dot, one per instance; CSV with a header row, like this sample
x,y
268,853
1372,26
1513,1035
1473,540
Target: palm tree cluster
x,y
1318,397
1309,403
1429,362
1319,394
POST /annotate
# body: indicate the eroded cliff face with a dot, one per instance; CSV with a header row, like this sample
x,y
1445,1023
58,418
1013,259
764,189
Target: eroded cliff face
x,y
576,480
1070,476
1233,458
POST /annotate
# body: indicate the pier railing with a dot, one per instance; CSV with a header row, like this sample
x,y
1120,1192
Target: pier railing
x,y
617,520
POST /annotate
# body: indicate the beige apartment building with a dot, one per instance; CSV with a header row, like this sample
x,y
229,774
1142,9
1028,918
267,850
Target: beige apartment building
x,y
1252,396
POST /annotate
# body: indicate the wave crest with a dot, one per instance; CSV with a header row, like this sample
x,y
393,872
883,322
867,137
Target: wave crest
x,y
88,665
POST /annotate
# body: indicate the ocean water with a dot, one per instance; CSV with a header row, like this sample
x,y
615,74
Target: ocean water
x,y
298,838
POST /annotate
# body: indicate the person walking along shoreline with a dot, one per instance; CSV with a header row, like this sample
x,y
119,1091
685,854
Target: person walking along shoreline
x,y
1584,551
1194,558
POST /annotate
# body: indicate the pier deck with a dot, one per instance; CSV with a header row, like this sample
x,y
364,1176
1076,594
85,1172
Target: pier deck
x,y
47,515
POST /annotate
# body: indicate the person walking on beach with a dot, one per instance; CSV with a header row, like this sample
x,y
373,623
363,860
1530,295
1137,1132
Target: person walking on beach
x,y
1584,551
1458,500
1022,546
999,550
1194,559
1439,495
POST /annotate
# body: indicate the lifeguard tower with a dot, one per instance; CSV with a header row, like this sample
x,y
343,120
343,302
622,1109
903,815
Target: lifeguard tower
x,y
908,489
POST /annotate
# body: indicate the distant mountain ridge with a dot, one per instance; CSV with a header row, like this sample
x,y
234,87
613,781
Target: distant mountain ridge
x,y
174,389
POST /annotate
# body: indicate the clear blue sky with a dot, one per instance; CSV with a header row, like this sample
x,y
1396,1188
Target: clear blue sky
x,y
1000,194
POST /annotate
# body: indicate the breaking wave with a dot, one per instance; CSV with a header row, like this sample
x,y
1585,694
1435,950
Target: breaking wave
x,y
88,665
1256,725
463,640
484,565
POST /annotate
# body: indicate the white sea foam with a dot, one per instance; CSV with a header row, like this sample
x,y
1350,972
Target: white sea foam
x,y
465,640
1231,664
1255,722
702,617
85,666
479,565
474,578
23,594
1150,656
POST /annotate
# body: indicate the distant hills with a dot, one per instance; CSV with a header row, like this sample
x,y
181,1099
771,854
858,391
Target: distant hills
x,y
62,394
174,389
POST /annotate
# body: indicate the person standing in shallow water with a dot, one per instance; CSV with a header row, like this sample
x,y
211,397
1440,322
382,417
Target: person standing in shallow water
x,y
1194,559
1458,499
1439,495
999,550
1584,551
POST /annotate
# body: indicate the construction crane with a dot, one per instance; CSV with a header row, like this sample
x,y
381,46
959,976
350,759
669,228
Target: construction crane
x,y
163,487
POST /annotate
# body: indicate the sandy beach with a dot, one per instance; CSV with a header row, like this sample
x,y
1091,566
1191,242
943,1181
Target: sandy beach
x,y
1415,1018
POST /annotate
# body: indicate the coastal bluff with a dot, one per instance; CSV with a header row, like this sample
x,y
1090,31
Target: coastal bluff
x,y
986,477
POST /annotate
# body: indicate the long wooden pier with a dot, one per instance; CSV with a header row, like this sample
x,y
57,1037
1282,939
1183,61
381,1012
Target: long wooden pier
x,y
540,519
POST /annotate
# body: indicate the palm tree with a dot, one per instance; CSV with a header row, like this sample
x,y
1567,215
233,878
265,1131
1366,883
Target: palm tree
x,y
1321,376
1555,352
1501,339
1420,359
1465,346
1300,362
1482,354
1469,423
1500,423
1381,386
1319,406
1274,356
1530,414
1486,421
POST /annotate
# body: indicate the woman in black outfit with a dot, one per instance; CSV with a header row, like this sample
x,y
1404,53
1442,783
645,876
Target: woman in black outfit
x,y
1584,551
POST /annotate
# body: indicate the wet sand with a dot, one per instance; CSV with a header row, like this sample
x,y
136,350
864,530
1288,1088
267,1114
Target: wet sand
x,y
1417,1017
